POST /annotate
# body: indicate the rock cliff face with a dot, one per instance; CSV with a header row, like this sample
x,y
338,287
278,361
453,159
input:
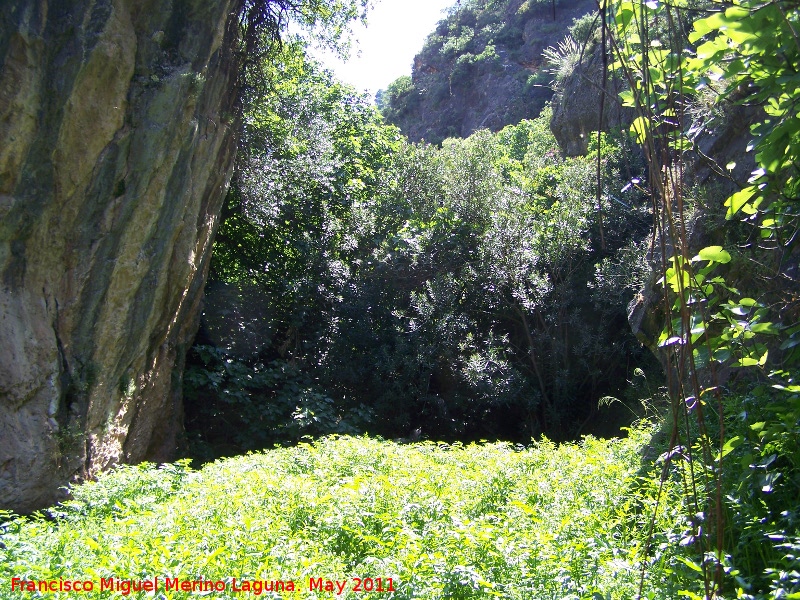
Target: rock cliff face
x,y
481,68
718,141
116,148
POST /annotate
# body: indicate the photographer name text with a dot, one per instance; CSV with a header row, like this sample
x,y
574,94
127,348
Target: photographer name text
x,y
256,587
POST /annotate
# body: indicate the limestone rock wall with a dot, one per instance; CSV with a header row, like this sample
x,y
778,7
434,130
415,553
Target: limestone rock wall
x,y
117,139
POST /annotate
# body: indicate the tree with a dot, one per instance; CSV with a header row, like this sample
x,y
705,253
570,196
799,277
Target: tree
x,y
311,154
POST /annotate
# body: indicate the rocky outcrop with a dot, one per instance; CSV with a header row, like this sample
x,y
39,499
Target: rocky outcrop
x,y
116,148
482,68
720,163
576,104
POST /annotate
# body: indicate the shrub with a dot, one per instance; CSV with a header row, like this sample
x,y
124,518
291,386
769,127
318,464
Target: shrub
x,y
584,30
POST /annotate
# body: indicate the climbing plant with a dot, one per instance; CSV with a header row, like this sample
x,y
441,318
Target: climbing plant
x,y
748,54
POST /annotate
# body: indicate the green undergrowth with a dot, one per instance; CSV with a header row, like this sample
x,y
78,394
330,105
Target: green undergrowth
x,y
441,521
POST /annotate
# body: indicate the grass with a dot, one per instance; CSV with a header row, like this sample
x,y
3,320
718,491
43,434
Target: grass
x,y
424,520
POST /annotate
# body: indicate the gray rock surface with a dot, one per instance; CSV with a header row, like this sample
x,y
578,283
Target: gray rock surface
x,y
117,141
576,105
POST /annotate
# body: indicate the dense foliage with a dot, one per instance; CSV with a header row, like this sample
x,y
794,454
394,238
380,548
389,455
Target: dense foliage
x,y
261,28
730,339
440,521
478,289
378,285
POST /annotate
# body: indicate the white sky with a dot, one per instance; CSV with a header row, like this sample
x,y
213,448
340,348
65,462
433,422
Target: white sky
x,y
395,32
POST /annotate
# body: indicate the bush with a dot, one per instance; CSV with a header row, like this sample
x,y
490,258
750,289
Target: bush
x,y
584,30
562,60
399,98
413,288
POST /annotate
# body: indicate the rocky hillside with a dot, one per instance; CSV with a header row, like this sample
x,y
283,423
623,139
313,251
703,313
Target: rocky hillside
x,y
116,148
481,68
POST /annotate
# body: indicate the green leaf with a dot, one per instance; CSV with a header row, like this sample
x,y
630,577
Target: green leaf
x,y
639,128
765,328
710,49
92,544
691,564
701,28
701,356
730,446
790,342
745,361
628,99
763,360
737,15
738,200
722,354
787,388
715,253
